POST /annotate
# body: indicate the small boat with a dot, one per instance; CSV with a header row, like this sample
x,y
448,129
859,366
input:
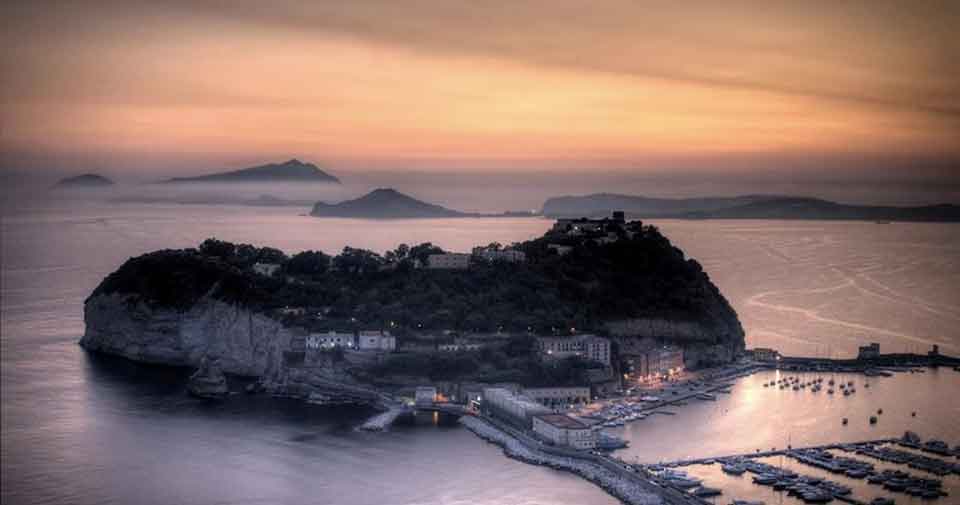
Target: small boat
x,y
765,479
733,469
704,491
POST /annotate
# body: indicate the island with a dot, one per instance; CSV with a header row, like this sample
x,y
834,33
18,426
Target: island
x,y
385,203
290,171
84,181
581,306
743,207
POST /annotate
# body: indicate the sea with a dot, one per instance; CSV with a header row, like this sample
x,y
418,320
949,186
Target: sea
x,y
85,429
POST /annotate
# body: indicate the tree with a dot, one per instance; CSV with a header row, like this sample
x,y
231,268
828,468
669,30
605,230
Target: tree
x,y
217,248
309,263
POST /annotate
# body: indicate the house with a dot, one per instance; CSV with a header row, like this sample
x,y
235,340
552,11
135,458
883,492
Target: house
x,y
564,430
424,396
293,311
376,340
560,249
587,346
330,339
557,397
508,255
871,351
448,261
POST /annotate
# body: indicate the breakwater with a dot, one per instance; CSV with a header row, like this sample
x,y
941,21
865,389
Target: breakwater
x,y
617,479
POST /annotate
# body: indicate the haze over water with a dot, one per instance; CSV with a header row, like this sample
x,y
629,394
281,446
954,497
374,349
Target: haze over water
x,y
82,429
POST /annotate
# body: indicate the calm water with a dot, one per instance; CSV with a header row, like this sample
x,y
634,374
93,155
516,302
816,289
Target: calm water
x,y
80,429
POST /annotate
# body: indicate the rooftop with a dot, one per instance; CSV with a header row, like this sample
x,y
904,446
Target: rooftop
x,y
562,421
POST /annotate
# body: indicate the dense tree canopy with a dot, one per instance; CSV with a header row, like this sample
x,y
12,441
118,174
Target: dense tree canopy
x,y
633,277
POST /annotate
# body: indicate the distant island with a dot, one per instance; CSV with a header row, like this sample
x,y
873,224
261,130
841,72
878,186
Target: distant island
x,y
741,207
84,181
289,171
385,203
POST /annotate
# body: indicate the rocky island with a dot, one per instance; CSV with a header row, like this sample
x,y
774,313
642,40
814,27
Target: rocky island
x,y
352,326
289,171
385,203
743,207
84,181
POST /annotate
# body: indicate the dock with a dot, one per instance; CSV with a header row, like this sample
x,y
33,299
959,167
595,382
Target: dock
x,y
774,452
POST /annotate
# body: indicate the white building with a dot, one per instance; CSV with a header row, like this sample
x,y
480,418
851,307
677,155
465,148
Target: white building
x,y
587,346
424,396
330,340
376,340
559,396
508,255
266,269
517,409
449,261
564,430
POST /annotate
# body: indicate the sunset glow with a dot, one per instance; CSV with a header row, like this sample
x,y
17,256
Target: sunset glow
x,y
537,86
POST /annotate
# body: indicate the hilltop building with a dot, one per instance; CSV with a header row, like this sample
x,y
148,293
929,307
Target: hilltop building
x,y
448,261
508,255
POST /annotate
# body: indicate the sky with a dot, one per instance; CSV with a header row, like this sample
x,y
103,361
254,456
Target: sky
x,y
822,92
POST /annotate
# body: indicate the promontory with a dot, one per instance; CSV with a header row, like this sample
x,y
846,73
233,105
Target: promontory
x,y
573,307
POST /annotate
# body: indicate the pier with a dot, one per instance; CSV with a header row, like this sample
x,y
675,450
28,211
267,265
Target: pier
x,y
764,454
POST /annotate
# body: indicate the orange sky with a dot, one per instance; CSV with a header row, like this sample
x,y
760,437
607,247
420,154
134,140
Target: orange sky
x,y
558,85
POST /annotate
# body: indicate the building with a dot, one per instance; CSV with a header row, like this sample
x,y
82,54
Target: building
x,y
449,261
871,351
666,360
507,406
583,225
559,396
652,362
330,340
765,354
424,396
587,346
376,340
266,269
508,255
560,248
564,430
